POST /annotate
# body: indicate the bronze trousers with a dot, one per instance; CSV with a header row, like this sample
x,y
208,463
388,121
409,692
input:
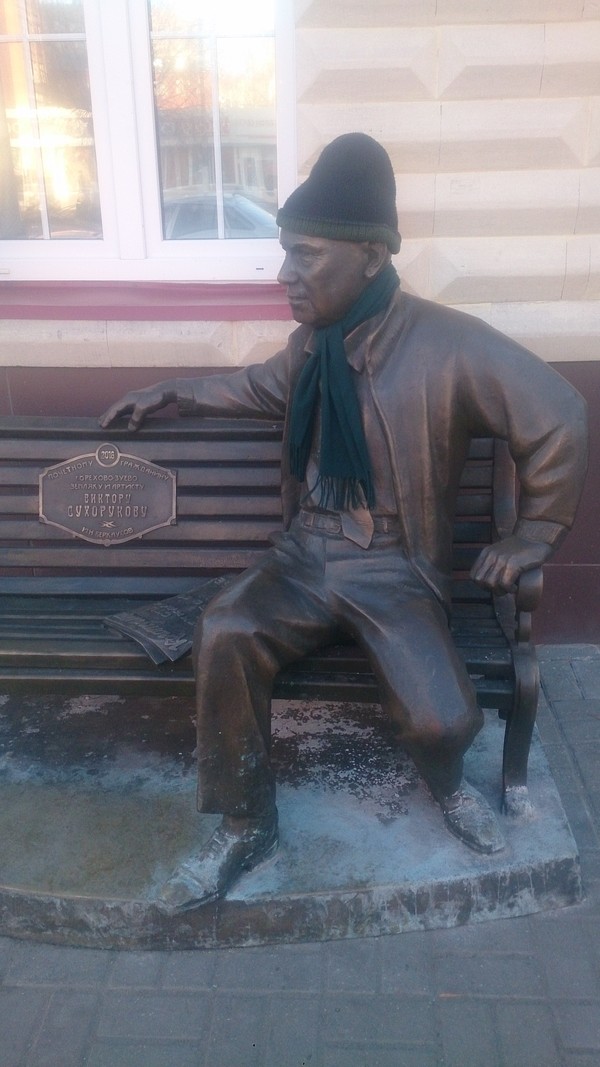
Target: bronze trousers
x,y
304,590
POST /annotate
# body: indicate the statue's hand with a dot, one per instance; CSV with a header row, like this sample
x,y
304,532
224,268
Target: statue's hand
x,y
139,403
499,566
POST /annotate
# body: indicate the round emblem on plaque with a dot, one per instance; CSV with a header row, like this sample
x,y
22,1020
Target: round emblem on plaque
x,y
108,455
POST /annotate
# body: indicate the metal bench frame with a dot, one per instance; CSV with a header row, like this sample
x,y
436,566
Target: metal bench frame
x,y
55,589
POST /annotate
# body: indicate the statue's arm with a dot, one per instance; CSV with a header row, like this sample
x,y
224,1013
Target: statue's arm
x,y
514,396
258,390
139,403
499,566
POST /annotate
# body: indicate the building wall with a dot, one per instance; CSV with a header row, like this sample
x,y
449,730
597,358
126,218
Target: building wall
x,y
491,115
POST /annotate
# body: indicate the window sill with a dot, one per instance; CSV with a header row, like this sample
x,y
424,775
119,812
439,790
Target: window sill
x,y
139,301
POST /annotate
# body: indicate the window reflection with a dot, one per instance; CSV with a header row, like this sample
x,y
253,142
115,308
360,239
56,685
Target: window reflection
x,y
48,176
214,92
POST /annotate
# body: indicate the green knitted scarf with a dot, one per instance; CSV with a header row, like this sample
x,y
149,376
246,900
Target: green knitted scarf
x,y
345,466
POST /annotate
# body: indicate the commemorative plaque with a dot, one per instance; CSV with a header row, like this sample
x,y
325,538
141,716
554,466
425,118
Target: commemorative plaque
x,y
107,496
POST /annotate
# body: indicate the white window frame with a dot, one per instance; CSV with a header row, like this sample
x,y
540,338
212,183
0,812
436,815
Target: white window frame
x,y
132,247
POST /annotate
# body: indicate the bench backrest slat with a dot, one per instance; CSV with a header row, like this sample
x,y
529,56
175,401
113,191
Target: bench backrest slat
x,y
227,497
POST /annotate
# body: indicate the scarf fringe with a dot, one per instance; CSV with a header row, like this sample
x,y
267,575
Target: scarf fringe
x,y
345,494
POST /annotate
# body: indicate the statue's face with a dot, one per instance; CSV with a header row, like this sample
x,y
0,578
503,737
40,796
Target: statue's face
x,y
323,278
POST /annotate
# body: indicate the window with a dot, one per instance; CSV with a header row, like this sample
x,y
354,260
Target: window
x,y
143,139
50,182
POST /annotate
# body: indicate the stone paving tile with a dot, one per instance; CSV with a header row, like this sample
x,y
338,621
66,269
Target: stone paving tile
x,y
561,682
468,1030
378,1056
292,1031
406,963
48,965
358,1017
563,766
144,1016
64,1034
564,950
587,673
573,653
578,1024
189,970
588,761
353,966
139,969
6,955
128,1054
580,721
527,1036
580,1059
22,1013
237,1036
284,967
549,730
489,976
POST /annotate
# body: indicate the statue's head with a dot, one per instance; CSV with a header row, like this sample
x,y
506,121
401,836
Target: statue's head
x,y
338,229
349,195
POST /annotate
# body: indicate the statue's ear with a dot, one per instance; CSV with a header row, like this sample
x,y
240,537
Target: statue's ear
x,y
378,258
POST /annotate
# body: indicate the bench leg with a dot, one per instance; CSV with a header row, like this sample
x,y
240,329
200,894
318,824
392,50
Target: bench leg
x,y
519,730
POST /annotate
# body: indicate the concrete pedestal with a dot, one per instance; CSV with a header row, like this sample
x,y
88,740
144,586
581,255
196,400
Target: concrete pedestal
x,y
97,807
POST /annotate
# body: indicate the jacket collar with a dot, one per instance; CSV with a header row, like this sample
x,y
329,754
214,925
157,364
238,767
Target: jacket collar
x,y
359,342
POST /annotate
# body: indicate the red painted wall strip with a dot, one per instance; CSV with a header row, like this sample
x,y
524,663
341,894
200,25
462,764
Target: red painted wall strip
x,y
149,301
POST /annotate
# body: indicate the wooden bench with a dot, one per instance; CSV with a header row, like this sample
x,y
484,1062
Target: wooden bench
x,y
55,589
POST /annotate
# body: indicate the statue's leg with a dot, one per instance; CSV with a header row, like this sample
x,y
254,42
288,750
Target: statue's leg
x,y
423,683
271,616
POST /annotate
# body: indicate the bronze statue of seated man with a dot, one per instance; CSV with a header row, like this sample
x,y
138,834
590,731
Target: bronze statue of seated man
x,y
381,393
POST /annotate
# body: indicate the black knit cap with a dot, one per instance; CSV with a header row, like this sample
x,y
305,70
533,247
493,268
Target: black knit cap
x,y
349,195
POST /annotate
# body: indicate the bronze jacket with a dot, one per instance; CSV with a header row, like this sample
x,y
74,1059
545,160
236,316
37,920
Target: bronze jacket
x,y
438,378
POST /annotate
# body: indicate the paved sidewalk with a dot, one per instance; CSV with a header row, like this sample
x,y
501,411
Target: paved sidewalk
x,y
510,993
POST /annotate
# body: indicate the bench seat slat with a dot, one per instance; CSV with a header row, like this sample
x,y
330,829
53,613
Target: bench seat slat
x,y
87,641
82,557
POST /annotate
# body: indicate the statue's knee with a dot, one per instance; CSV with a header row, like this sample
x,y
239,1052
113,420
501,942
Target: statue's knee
x,y
450,733
217,626
225,627
458,734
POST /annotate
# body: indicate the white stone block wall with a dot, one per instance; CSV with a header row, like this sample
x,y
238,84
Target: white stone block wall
x,y
491,114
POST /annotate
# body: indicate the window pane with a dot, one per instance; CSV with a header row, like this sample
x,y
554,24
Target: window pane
x,y
21,195
41,16
66,134
215,117
10,21
183,99
55,16
47,153
248,18
171,16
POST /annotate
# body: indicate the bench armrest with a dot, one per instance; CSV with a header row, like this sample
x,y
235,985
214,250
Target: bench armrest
x,y
529,593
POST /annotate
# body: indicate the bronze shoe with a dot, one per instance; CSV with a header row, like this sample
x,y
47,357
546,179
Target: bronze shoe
x,y
237,845
469,817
